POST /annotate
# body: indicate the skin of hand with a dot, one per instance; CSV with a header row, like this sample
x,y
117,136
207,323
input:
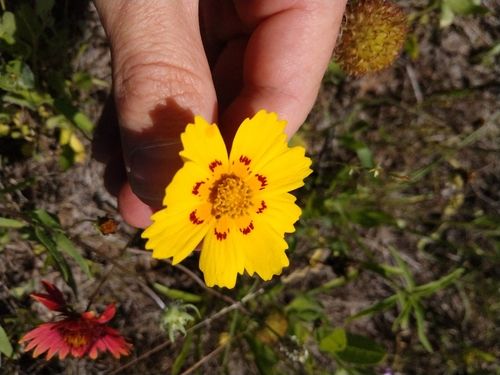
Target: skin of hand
x,y
221,59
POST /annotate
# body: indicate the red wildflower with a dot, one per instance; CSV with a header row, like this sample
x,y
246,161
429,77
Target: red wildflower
x,y
75,334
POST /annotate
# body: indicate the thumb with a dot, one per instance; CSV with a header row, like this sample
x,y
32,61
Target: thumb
x,y
161,79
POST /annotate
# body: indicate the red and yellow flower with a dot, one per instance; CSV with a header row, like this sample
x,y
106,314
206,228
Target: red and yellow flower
x,y
238,204
76,334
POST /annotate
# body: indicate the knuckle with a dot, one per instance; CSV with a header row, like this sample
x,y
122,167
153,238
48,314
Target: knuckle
x,y
143,82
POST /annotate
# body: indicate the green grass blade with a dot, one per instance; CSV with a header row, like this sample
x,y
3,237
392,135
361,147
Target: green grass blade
x,y
432,287
418,312
11,223
385,304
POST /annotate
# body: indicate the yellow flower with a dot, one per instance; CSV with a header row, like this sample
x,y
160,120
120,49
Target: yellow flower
x,y
238,205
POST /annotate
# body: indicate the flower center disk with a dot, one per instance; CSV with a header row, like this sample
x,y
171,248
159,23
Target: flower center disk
x,y
230,196
76,339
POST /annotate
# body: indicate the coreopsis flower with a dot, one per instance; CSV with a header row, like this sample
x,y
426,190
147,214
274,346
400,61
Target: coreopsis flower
x,y
238,204
75,334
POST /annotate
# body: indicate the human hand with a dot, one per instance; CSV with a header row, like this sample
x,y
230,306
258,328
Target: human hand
x,y
221,59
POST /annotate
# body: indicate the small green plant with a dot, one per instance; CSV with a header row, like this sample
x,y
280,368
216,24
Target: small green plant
x,y
176,318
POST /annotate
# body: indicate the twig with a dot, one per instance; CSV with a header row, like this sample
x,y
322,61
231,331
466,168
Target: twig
x,y
414,84
227,309
96,290
206,358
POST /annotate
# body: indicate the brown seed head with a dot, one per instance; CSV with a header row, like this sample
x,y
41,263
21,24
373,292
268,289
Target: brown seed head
x,y
372,36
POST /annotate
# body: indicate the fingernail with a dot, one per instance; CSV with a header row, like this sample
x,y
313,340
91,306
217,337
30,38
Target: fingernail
x,y
150,168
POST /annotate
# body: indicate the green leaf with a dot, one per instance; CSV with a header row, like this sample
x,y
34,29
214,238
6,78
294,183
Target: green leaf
x,y
403,318
419,317
305,308
450,8
61,263
16,76
8,27
82,80
465,7
361,350
27,78
385,304
66,245
432,287
80,120
46,219
176,293
365,157
334,342
384,270
408,277
5,345
53,238
11,223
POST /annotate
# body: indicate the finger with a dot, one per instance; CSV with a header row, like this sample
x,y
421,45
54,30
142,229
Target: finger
x,y
106,148
132,209
161,79
114,175
285,58
106,138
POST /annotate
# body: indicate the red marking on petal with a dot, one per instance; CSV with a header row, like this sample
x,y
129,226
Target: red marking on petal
x,y
262,207
245,160
195,219
220,235
196,187
263,181
248,229
214,164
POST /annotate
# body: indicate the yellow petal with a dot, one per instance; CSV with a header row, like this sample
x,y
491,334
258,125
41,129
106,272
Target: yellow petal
x,y
285,172
181,192
203,144
221,259
264,249
176,234
260,139
279,212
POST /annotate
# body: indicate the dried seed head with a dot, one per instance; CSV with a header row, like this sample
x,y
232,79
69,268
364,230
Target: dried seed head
x,y
372,36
